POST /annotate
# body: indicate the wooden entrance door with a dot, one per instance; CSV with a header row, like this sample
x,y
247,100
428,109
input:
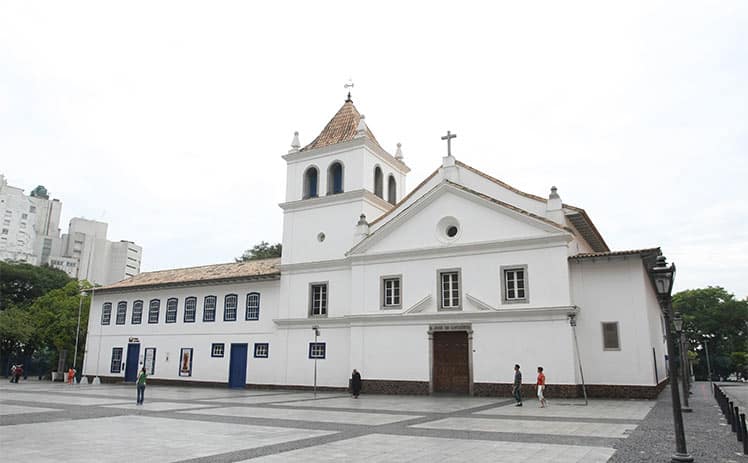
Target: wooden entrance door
x,y
451,370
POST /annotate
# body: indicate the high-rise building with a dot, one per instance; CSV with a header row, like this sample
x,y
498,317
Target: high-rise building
x,y
30,233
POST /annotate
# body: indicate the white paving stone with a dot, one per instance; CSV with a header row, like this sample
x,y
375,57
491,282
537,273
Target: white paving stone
x,y
572,408
373,419
559,428
137,438
156,406
8,409
400,403
377,448
273,398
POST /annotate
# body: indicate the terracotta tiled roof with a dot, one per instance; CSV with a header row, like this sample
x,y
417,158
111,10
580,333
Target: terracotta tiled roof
x,y
342,127
631,252
207,273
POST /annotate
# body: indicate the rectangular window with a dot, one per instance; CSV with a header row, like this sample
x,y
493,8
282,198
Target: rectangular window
x,y
318,300
217,350
185,361
449,289
171,310
391,292
611,340
24,216
153,311
514,284
137,312
229,308
209,309
253,306
32,209
149,360
262,350
121,313
190,308
106,313
116,366
317,350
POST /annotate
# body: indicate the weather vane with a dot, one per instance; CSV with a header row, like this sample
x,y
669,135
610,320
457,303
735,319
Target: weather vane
x,y
349,86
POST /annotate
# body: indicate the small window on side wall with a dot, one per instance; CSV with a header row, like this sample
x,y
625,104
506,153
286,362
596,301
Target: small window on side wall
x,y
253,306
106,313
318,300
391,292
317,350
262,350
217,349
514,284
611,340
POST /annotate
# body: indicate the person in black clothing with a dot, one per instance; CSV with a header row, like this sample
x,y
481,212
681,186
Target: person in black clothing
x,y
517,387
355,383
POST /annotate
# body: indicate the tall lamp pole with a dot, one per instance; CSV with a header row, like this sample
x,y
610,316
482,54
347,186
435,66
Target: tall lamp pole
x,y
678,322
705,340
573,323
78,330
663,276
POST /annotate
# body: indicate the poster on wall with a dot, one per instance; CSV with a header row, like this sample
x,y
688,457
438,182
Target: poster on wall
x,y
149,360
185,362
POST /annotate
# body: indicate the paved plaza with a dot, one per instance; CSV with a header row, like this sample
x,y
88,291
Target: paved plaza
x,y
53,422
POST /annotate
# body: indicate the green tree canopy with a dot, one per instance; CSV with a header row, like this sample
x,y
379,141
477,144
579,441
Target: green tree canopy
x,y
715,315
21,283
264,250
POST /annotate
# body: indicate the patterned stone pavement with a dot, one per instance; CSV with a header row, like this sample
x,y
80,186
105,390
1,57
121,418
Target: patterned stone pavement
x,y
46,422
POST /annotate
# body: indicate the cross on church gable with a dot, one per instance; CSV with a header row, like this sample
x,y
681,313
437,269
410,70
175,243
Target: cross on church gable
x,y
449,136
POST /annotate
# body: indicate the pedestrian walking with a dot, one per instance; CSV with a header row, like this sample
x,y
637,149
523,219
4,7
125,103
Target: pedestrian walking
x,y
12,372
71,375
141,386
355,383
19,372
541,387
517,386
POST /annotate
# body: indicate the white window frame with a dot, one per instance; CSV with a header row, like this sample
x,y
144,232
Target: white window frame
x,y
116,355
509,285
106,313
391,297
317,350
190,309
262,350
209,310
172,307
229,311
137,308
454,283
154,309
253,306
121,317
324,299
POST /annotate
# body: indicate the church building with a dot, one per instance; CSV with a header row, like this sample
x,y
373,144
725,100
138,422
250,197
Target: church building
x,y
440,290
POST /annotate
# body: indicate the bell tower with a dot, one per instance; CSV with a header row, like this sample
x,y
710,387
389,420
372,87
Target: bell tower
x,y
340,175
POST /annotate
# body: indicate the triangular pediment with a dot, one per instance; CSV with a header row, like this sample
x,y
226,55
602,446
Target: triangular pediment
x,y
450,208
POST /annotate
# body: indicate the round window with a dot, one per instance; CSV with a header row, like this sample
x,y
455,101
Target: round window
x,y
452,231
448,229
320,237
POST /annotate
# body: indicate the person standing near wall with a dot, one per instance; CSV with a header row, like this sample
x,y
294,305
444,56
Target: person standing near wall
x,y
541,387
355,383
141,386
517,386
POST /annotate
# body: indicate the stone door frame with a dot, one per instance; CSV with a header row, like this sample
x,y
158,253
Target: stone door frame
x,y
450,327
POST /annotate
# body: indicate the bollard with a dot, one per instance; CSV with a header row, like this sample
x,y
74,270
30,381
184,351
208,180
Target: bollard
x,y
745,437
741,427
736,420
732,420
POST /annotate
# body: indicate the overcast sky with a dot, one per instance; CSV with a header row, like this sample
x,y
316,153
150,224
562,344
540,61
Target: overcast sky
x,y
168,119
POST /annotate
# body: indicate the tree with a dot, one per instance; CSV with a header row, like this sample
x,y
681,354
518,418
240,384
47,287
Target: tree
x,y
264,250
21,283
714,314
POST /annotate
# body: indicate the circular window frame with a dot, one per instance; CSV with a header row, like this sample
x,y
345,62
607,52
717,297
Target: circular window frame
x,y
321,237
443,227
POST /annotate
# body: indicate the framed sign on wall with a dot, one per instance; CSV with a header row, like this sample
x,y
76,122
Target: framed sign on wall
x,y
185,362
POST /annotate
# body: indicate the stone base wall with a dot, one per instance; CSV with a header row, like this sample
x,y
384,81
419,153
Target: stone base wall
x,y
383,386
567,391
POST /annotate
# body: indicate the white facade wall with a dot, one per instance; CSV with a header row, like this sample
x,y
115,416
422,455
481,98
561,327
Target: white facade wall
x,y
616,290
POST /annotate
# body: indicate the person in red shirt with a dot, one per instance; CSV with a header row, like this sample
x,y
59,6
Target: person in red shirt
x,y
541,387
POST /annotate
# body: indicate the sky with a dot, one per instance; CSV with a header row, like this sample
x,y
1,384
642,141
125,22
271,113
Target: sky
x,y
168,120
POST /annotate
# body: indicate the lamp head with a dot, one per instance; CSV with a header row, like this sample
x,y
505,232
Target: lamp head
x,y
663,276
678,322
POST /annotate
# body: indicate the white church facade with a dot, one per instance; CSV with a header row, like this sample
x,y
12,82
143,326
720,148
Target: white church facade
x,y
441,290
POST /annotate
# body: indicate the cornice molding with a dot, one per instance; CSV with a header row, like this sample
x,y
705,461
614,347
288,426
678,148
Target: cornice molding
x,y
338,198
347,146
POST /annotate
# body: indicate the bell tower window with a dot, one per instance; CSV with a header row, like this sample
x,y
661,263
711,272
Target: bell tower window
x,y
378,187
335,178
310,183
391,190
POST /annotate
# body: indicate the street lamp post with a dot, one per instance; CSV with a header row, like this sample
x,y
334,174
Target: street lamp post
x,y
678,322
663,276
708,363
78,330
316,335
573,323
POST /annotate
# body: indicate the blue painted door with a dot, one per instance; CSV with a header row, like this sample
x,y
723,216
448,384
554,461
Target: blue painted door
x,y
238,365
131,365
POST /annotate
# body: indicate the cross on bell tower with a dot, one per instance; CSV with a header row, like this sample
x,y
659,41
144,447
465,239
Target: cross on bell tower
x,y
449,136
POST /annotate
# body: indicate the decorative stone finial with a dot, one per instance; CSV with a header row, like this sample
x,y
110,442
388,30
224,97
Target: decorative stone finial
x,y
362,227
361,129
295,144
362,220
554,193
399,152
